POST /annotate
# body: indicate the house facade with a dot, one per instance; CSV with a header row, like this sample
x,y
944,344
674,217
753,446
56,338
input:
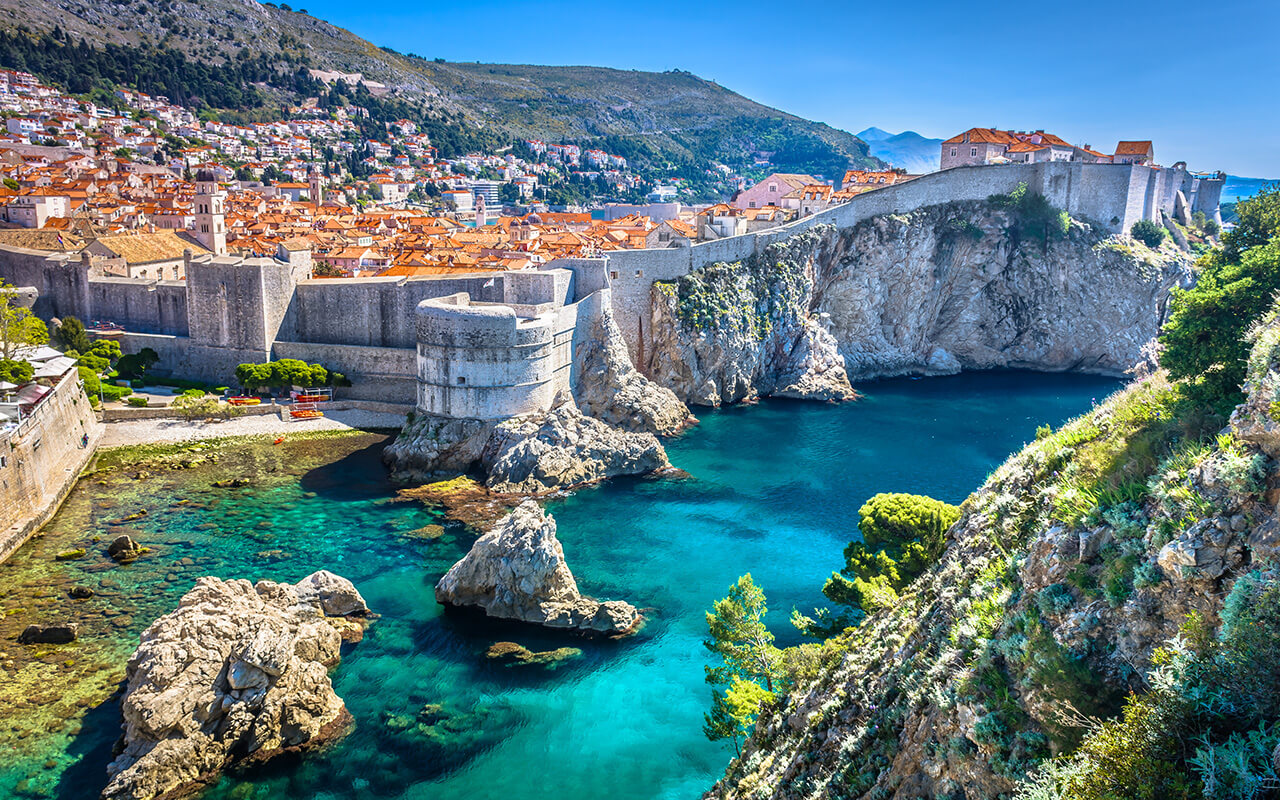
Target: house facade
x,y
771,190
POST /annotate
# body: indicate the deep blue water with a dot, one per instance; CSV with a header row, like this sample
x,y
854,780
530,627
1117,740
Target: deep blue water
x,y
774,490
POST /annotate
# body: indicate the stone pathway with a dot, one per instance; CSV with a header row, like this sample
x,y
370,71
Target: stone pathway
x,y
152,431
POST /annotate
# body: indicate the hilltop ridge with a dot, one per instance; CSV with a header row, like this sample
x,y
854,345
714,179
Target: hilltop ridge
x,y
669,119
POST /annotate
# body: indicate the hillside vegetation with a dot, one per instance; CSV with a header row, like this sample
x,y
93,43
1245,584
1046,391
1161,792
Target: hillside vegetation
x,y
1103,618
671,120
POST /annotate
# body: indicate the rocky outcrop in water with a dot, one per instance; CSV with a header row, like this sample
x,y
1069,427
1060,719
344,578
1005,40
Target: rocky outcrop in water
x,y
1048,604
537,453
431,447
611,390
238,672
944,288
528,454
517,571
124,550
607,429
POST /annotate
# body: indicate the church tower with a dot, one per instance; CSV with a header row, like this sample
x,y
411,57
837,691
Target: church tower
x,y
316,190
211,220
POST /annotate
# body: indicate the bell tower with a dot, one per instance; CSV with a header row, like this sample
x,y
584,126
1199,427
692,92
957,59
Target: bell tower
x,y
316,190
211,220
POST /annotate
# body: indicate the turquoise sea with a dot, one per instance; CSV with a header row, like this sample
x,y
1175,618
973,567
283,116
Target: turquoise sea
x,y
774,489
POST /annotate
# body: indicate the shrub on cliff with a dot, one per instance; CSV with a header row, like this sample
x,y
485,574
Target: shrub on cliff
x,y
902,536
1204,339
744,644
1034,216
1257,221
1147,232
1203,728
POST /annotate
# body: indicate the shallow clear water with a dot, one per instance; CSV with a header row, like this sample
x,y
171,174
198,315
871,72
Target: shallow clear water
x,y
774,490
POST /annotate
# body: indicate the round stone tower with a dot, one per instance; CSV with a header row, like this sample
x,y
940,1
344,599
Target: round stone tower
x,y
482,361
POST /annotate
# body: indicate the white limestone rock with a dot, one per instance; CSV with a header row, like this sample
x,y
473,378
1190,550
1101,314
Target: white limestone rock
x,y
561,448
935,291
236,672
817,368
517,571
431,447
611,390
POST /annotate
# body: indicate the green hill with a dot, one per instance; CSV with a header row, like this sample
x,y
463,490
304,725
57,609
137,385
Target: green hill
x,y
672,121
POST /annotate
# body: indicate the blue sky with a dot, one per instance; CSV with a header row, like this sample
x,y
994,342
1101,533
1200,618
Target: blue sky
x,y
1201,79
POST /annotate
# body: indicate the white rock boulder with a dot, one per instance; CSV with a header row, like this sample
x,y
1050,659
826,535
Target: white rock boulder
x,y
237,672
517,571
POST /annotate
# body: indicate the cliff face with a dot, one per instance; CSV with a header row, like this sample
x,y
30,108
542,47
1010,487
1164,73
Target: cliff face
x,y
1077,558
944,288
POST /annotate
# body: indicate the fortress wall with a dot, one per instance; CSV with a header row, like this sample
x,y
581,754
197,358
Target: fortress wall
x,y
582,330
226,304
61,280
590,275
172,350
376,312
139,305
41,460
1100,193
387,374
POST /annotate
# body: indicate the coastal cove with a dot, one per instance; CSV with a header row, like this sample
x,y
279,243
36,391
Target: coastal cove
x,y
774,489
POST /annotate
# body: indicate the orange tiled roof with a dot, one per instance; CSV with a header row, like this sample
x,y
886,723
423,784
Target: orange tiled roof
x,y
1141,148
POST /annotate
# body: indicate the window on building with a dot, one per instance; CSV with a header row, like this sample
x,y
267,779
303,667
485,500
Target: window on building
x,y
613,274
639,273
753,203
953,152
973,151
462,381
773,187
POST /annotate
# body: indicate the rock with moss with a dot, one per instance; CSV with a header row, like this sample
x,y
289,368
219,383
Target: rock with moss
x,y
237,673
513,654
430,447
518,571
969,285
124,550
532,453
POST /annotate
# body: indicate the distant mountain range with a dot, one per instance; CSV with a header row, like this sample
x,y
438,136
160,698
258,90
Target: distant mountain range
x,y
242,56
908,150
1237,188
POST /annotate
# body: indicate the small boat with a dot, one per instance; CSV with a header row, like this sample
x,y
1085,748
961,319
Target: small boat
x,y
305,413
278,440
244,401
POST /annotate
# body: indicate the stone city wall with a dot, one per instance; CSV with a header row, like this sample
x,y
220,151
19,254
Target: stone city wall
x,y
233,310
1113,196
41,459
376,373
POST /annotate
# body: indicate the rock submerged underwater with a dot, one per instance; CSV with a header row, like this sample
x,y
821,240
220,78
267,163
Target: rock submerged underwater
x,y
237,673
517,571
